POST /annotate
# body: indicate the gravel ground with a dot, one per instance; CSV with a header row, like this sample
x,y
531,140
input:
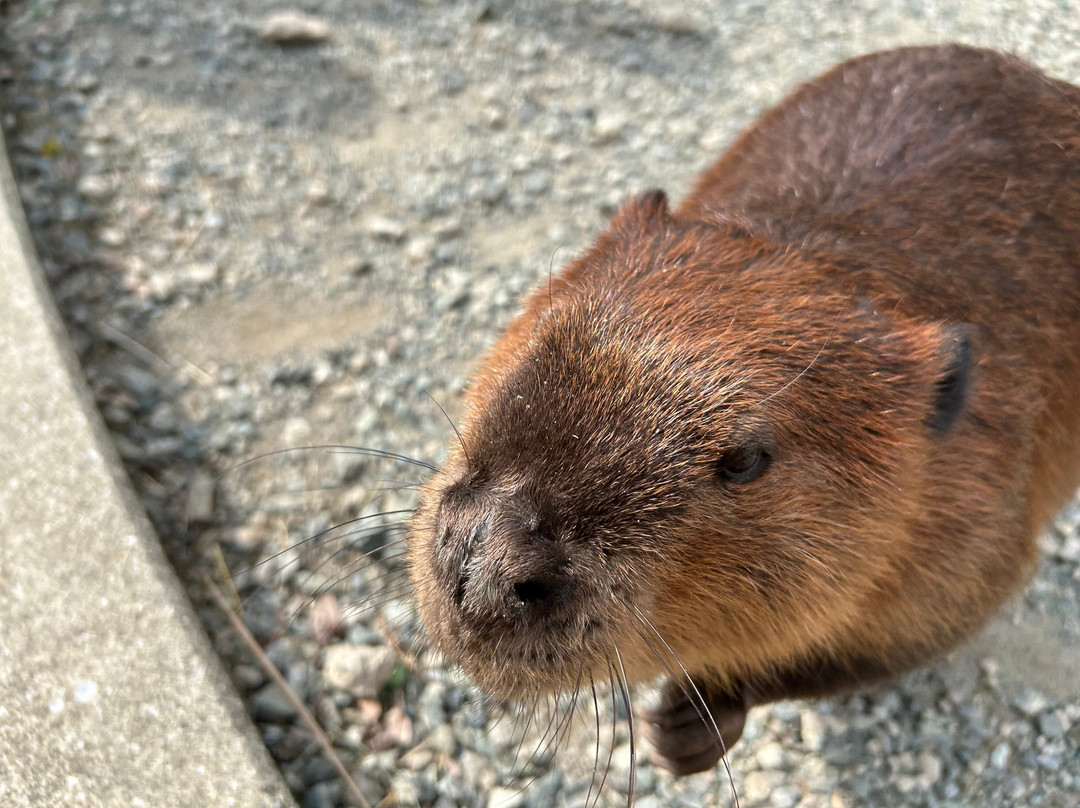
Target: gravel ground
x,y
260,245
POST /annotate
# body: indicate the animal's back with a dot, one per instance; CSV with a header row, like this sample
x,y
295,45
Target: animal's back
x,y
947,181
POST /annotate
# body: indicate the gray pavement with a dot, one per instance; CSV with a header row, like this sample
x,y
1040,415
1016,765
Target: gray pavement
x,y
110,694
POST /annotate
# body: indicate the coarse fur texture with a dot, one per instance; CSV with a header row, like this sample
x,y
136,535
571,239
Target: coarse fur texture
x,y
795,436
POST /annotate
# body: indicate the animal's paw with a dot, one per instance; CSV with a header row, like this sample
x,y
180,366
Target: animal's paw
x,y
684,732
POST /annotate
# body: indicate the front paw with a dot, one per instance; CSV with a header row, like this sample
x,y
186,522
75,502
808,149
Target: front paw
x,y
683,728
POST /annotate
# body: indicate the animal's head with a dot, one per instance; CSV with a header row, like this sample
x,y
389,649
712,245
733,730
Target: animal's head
x,y
687,434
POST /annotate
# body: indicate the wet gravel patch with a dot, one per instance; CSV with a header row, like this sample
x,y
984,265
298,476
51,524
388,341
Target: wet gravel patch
x,y
260,244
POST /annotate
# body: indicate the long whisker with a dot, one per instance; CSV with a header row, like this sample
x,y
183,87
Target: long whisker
x,y
542,744
702,709
334,447
803,372
611,746
562,727
574,699
596,756
353,563
375,603
525,731
390,593
556,727
700,699
453,426
344,573
621,678
323,533
350,539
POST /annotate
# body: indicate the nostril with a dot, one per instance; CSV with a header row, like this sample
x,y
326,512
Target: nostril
x,y
532,593
470,546
459,590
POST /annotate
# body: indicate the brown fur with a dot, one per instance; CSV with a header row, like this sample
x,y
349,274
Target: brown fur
x,y
814,297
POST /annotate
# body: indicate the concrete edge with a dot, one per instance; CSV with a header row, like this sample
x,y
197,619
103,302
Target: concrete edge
x,y
110,693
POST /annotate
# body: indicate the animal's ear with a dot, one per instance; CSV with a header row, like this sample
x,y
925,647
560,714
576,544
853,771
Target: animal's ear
x,y
952,384
937,358
646,208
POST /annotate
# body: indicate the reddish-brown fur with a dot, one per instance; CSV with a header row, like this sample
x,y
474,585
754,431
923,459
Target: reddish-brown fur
x,y
875,294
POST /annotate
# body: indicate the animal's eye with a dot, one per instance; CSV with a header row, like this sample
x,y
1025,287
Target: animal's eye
x,y
743,464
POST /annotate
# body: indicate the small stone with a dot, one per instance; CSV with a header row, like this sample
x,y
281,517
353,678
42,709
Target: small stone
x,y
506,798
1050,762
678,21
248,677
785,711
327,617
452,298
417,759
403,786
999,758
1050,725
429,708
1068,520
495,117
492,190
397,728
86,82
360,634
785,797
251,535
317,193
386,229
138,382
322,795
318,770
362,670
269,703
199,273
419,248
1069,549
295,431
94,186
161,286
758,785
293,28
770,756
929,771
812,729
441,740
112,236
164,418
70,209
608,127
1030,703
200,497
368,712
536,182
447,228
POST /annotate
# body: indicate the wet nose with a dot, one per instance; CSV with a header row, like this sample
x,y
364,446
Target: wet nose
x,y
536,596
509,570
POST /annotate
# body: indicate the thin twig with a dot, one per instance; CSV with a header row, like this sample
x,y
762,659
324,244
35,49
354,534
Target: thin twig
x,y
136,348
271,671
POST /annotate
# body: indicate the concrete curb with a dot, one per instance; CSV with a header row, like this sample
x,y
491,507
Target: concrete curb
x,y
110,693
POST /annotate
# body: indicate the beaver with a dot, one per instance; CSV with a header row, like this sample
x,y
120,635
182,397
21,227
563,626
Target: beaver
x,y
795,436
